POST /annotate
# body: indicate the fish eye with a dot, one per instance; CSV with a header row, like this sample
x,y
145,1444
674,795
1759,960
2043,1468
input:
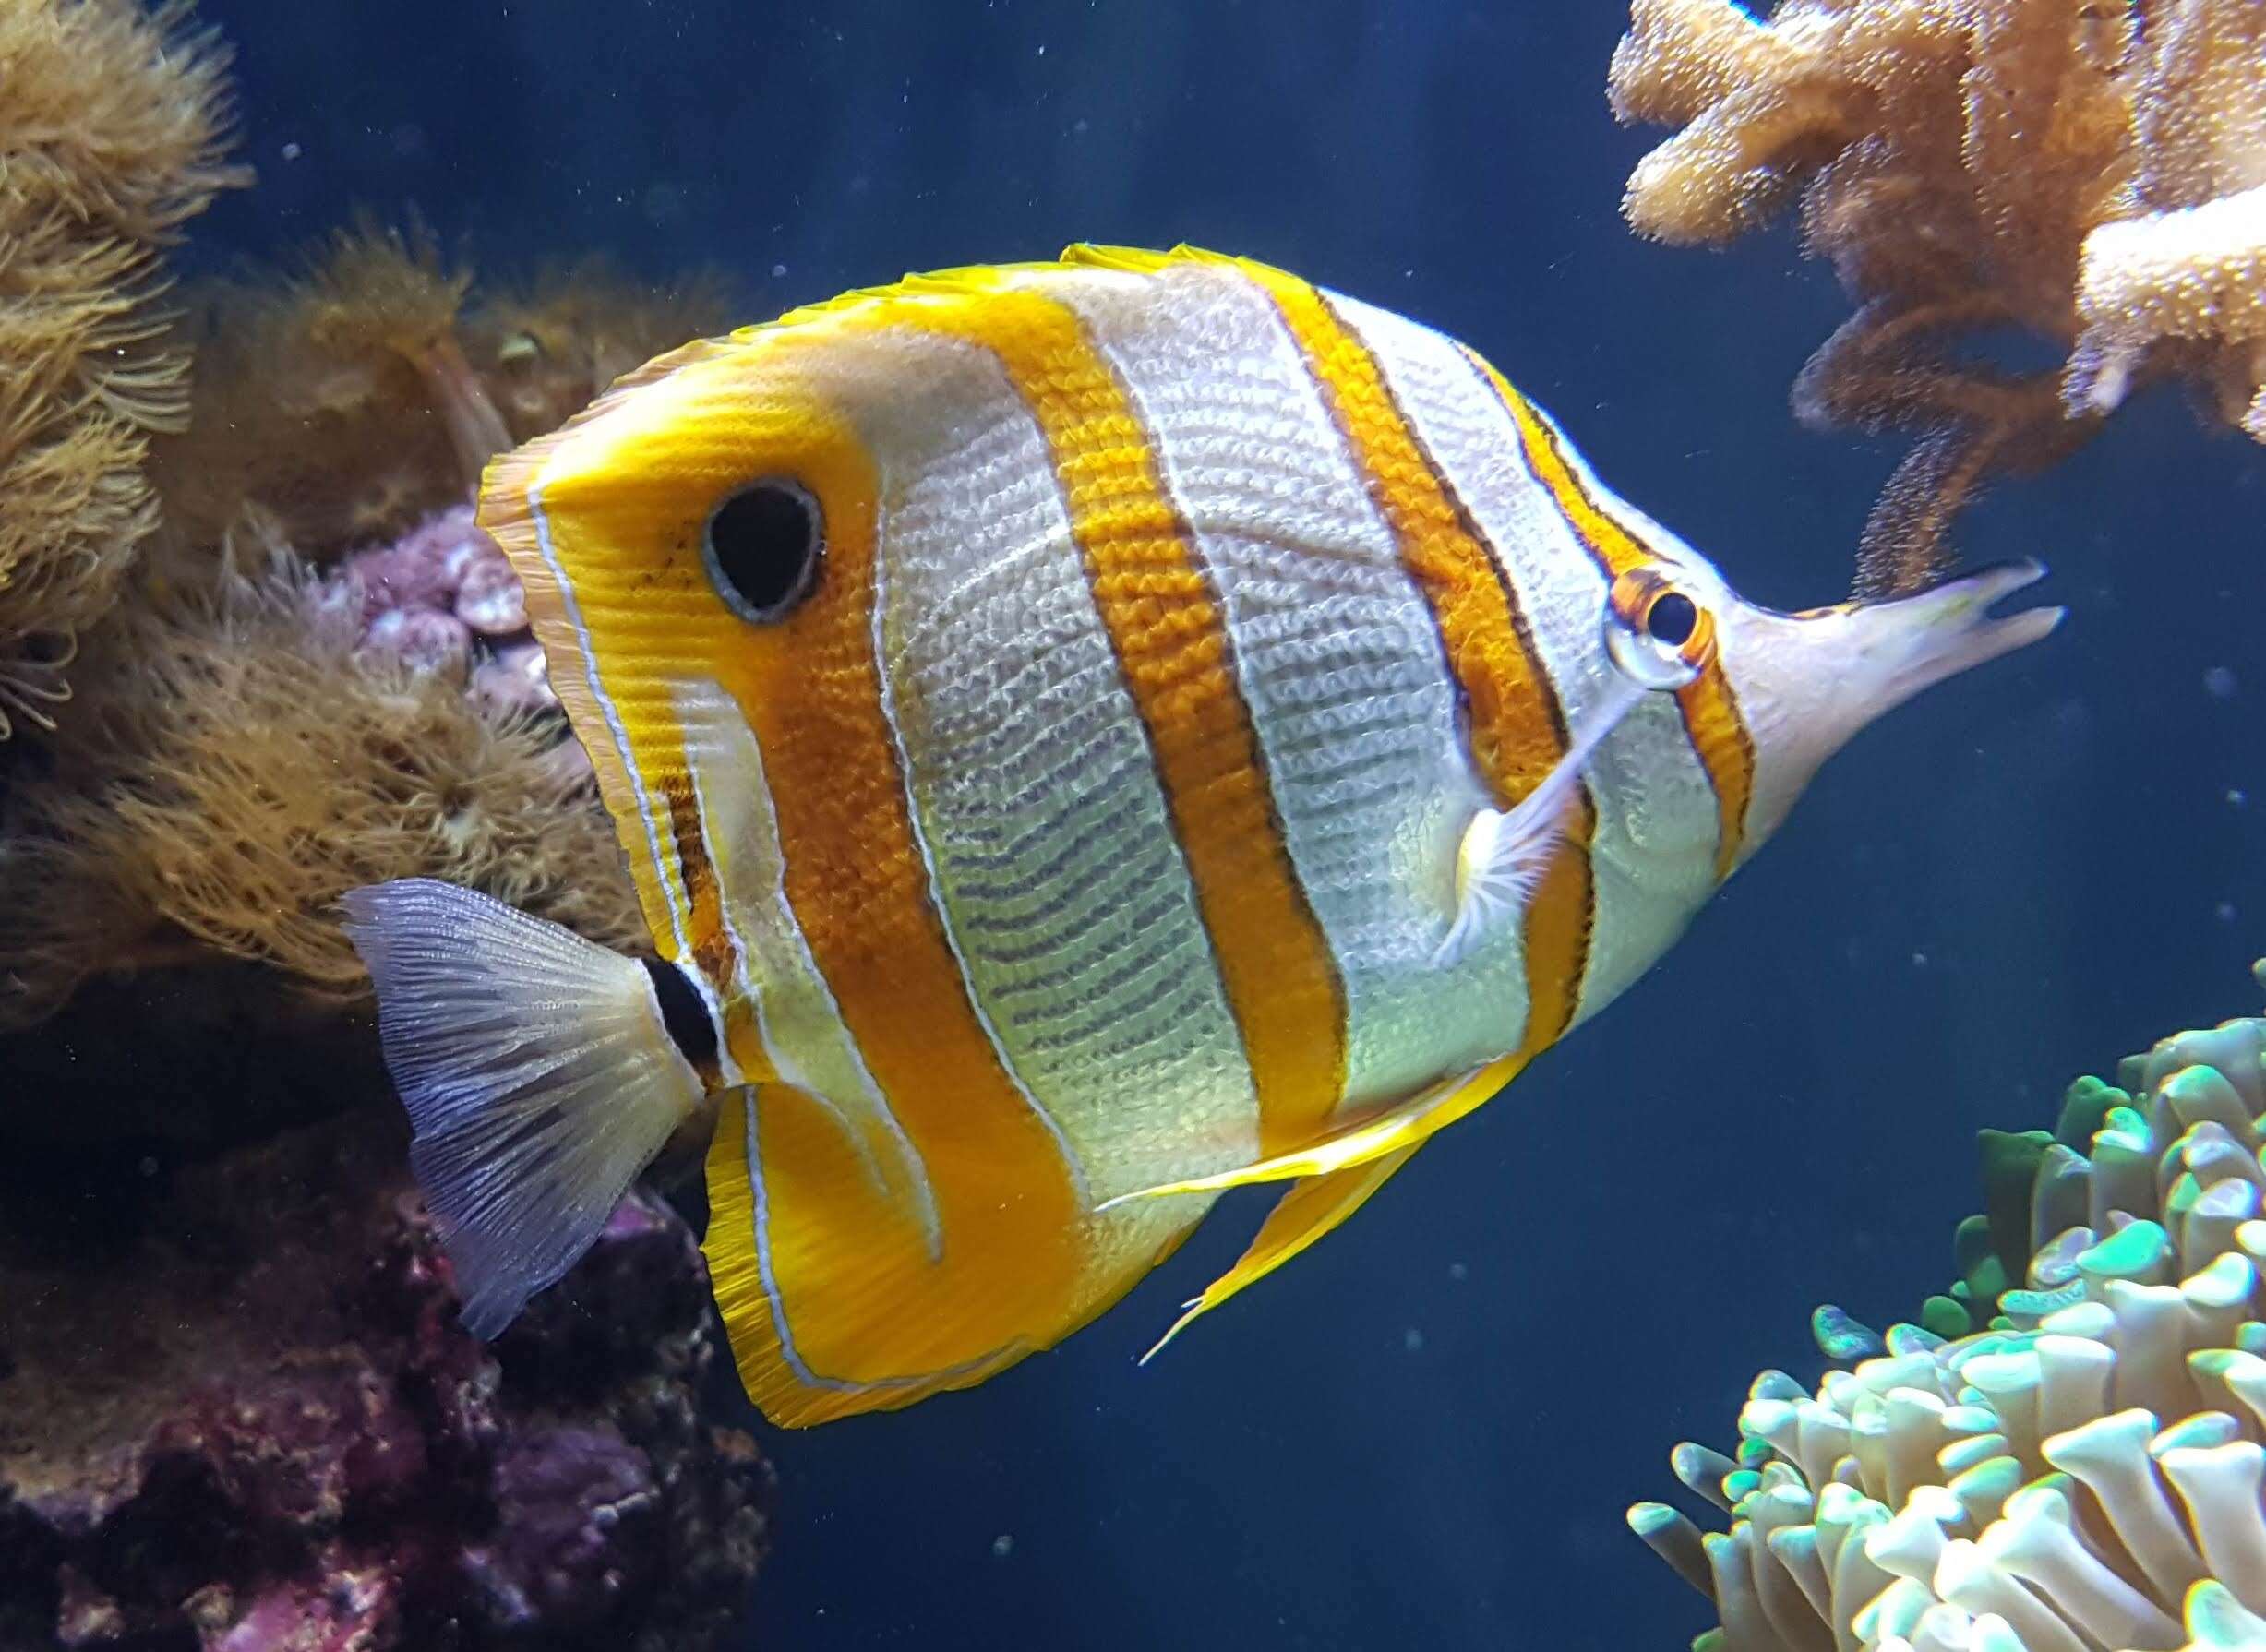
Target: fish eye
x,y
764,547
1657,636
1671,618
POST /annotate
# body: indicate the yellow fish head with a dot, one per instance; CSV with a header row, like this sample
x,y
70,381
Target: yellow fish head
x,y
1806,682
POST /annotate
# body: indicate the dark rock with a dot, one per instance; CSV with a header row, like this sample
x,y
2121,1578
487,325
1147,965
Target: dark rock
x,y
255,1426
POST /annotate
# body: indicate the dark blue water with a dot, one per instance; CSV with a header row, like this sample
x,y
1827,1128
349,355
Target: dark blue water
x,y
1425,1431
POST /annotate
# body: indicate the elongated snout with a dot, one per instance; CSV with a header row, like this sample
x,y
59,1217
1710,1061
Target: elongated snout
x,y
1806,682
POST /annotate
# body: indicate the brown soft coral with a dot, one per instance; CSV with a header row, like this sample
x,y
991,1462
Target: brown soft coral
x,y
345,404
544,349
1971,168
111,134
237,762
364,702
338,404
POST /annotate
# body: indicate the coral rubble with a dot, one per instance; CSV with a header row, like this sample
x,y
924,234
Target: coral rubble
x,y
1976,168
112,135
255,1424
2083,1472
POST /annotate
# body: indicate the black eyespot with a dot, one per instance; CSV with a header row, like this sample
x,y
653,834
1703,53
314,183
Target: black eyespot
x,y
1672,619
685,1016
764,547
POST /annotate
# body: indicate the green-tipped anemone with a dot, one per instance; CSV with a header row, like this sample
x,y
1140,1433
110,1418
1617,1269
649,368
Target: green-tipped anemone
x,y
2077,1467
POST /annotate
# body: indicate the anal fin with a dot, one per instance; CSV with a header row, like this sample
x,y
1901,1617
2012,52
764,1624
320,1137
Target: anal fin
x,y
1405,1124
1301,1217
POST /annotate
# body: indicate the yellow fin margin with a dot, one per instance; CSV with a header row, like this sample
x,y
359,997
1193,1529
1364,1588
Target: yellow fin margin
x,y
1302,1217
1406,1125
877,1276
1335,1178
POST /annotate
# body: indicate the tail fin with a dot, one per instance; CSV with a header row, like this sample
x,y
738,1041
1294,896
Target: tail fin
x,y
538,1073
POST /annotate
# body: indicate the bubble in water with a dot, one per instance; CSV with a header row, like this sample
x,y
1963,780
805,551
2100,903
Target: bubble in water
x,y
2219,683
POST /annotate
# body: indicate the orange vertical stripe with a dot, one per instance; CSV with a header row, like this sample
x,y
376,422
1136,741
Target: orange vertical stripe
x,y
1518,728
1711,717
1173,645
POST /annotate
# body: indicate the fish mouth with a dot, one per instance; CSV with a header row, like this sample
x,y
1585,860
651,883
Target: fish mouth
x,y
1912,642
1808,682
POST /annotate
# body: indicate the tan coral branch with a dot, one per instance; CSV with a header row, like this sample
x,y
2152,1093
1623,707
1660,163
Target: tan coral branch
x,y
1972,167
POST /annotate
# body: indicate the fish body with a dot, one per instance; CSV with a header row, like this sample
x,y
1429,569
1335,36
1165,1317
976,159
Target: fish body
x,y
1085,735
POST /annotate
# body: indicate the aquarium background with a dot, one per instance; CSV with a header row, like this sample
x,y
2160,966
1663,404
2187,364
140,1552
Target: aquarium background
x,y
1426,1430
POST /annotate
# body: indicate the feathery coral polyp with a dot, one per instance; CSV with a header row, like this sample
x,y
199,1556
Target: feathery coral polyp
x,y
112,135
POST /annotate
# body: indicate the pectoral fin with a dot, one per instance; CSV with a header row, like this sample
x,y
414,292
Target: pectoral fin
x,y
1302,1215
1405,1125
1505,852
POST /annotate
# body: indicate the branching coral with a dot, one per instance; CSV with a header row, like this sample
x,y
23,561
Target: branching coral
x,y
2084,1474
111,134
242,757
2176,281
1973,168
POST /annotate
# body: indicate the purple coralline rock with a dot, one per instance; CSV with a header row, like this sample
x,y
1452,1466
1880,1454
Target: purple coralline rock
x,y
443,598
245,1419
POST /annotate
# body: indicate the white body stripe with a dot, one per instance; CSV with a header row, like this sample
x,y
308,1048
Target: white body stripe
x,y
1654,800
667,874
797,1016
1049,1115
664,867
1662,862
1337,654
1051,849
